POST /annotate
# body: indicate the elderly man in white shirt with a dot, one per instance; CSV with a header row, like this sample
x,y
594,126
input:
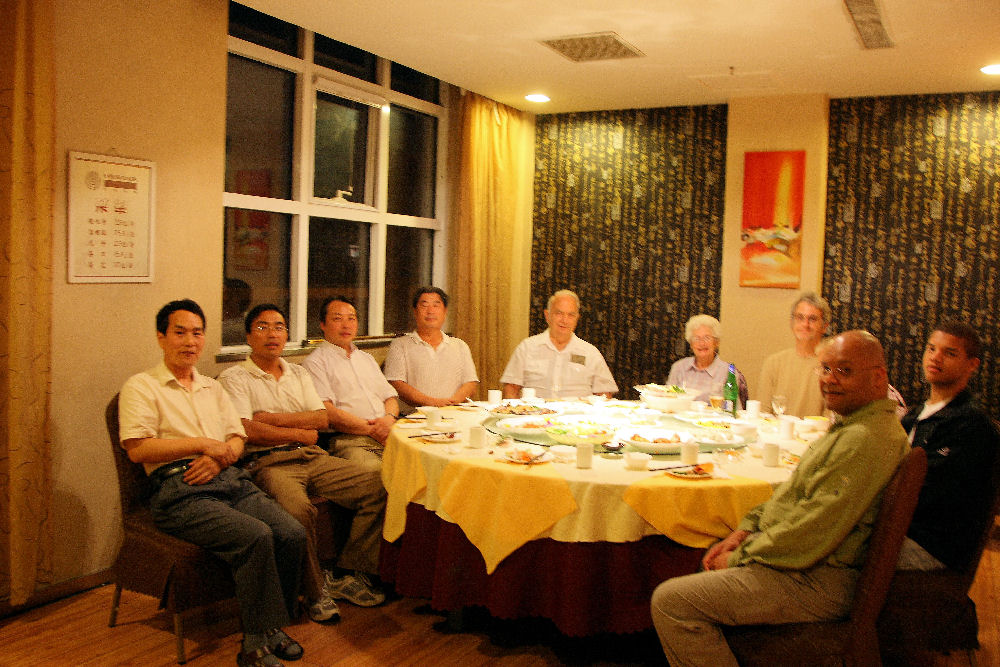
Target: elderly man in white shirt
x,y
427,366
360,404
555,363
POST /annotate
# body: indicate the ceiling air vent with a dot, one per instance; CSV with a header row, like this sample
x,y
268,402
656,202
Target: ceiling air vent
x,y
595,46
868,20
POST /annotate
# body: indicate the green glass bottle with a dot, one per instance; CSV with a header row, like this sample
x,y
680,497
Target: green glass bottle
x,y
731,392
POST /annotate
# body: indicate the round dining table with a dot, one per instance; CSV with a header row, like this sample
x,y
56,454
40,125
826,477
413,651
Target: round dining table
x,y
584,547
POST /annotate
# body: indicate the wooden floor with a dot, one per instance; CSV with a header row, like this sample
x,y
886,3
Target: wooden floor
x,y
75,631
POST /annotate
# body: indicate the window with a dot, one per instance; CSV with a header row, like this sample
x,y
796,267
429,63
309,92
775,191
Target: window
x,y
333,165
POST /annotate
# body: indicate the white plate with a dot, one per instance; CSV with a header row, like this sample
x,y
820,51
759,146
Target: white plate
x,y
420,424
443,437
651,447
718,437
529,425
515,456
519,409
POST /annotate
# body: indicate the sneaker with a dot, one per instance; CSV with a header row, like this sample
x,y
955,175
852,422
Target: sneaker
x,y
356,588
324,609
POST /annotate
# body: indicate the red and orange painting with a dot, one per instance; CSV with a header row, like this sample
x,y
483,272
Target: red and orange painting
x,y
773,186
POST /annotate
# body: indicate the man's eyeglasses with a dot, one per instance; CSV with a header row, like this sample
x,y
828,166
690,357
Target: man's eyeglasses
x,y
264,328
840,373
811,319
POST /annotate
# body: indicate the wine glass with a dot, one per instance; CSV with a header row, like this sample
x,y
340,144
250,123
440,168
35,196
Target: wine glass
x,y
778,405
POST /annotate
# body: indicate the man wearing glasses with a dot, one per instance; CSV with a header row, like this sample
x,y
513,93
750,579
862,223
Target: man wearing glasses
x,y
789,373
282,415
797,557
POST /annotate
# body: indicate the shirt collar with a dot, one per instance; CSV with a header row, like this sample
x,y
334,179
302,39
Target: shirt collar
x,y
340,350
547,341
712,369
259,372
866,411
164,376
420,341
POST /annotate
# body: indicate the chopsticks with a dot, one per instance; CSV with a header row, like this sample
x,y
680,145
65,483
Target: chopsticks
x,y
691,465
427,435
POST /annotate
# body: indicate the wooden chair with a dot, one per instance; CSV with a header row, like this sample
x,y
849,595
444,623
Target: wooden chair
x,y
183,576
851,641
932,610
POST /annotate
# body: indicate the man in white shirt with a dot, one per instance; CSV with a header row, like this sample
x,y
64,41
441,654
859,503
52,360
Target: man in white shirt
x,y
791,372
183,428
555,363
360,404
282,415
427,366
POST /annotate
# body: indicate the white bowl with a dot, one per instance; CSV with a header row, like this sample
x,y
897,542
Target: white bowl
x,y
672,403
563,453
637,460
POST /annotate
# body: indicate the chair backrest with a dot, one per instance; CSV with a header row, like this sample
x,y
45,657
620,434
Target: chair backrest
x,y
968,574
134,488
893,520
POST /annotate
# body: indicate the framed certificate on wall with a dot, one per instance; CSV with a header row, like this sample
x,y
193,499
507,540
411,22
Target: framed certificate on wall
x,y
110,205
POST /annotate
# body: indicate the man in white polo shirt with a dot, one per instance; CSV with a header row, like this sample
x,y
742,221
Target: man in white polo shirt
x,y
555,363
427,366
282,415
360,404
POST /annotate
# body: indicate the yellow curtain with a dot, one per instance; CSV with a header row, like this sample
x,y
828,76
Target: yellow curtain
x,y
492,268
26,177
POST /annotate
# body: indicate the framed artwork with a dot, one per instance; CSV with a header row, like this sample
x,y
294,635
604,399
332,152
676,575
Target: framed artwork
x,y
110,205
252,229
771,231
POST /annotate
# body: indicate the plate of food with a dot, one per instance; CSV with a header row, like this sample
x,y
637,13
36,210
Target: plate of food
x,y
579,432
450,436
527,454
719,437
521,409
695,472
661,389
655,441
525,425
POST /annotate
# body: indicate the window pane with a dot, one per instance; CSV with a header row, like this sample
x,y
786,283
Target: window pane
x,y
259,103
412,160
413,83
408,256
344,58
341,148
259,28
255,267
338,266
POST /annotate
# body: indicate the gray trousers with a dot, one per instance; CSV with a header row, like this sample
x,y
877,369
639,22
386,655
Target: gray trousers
x,y
262,543
687,611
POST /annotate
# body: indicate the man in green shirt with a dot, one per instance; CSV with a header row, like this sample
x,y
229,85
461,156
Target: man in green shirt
x,y
797,556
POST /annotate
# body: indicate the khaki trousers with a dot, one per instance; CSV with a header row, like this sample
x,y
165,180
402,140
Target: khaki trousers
x,y
687,611
291,477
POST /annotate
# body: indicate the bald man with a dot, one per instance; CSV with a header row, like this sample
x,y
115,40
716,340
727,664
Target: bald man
x,y
797,557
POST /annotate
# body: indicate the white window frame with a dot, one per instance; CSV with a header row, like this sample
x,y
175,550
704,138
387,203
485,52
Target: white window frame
x,y
311,78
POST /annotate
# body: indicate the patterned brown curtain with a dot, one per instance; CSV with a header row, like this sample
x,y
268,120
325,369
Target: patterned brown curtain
x,y
493,237
26,177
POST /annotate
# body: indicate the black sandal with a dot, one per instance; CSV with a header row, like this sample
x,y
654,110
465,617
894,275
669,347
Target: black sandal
x,y
257,658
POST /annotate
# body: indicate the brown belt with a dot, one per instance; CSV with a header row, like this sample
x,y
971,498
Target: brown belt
x,y
161,474
248,461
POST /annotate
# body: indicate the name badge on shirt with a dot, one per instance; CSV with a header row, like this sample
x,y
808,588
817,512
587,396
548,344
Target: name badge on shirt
x,y
578,359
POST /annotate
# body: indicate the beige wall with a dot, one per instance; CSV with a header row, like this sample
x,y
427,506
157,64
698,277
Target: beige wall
x,y
755,320
140,79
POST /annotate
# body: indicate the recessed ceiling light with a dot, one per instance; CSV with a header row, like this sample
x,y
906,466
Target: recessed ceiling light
x,y
537,97
991,69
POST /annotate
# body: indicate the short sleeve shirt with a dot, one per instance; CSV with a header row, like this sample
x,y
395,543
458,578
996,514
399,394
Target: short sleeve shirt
x,y
153,404
354,383
578,369
437,372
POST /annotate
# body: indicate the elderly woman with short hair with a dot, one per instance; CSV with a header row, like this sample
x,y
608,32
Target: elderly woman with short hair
x,y
704,373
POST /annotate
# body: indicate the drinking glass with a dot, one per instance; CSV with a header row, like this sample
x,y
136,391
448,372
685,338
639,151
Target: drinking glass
x,y
778,405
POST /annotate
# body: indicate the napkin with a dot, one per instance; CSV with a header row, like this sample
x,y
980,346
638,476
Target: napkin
x,y
695,513
500,505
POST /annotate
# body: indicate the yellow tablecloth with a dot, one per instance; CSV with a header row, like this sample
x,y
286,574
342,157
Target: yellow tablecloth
x,y
695,512
500,506
404,480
